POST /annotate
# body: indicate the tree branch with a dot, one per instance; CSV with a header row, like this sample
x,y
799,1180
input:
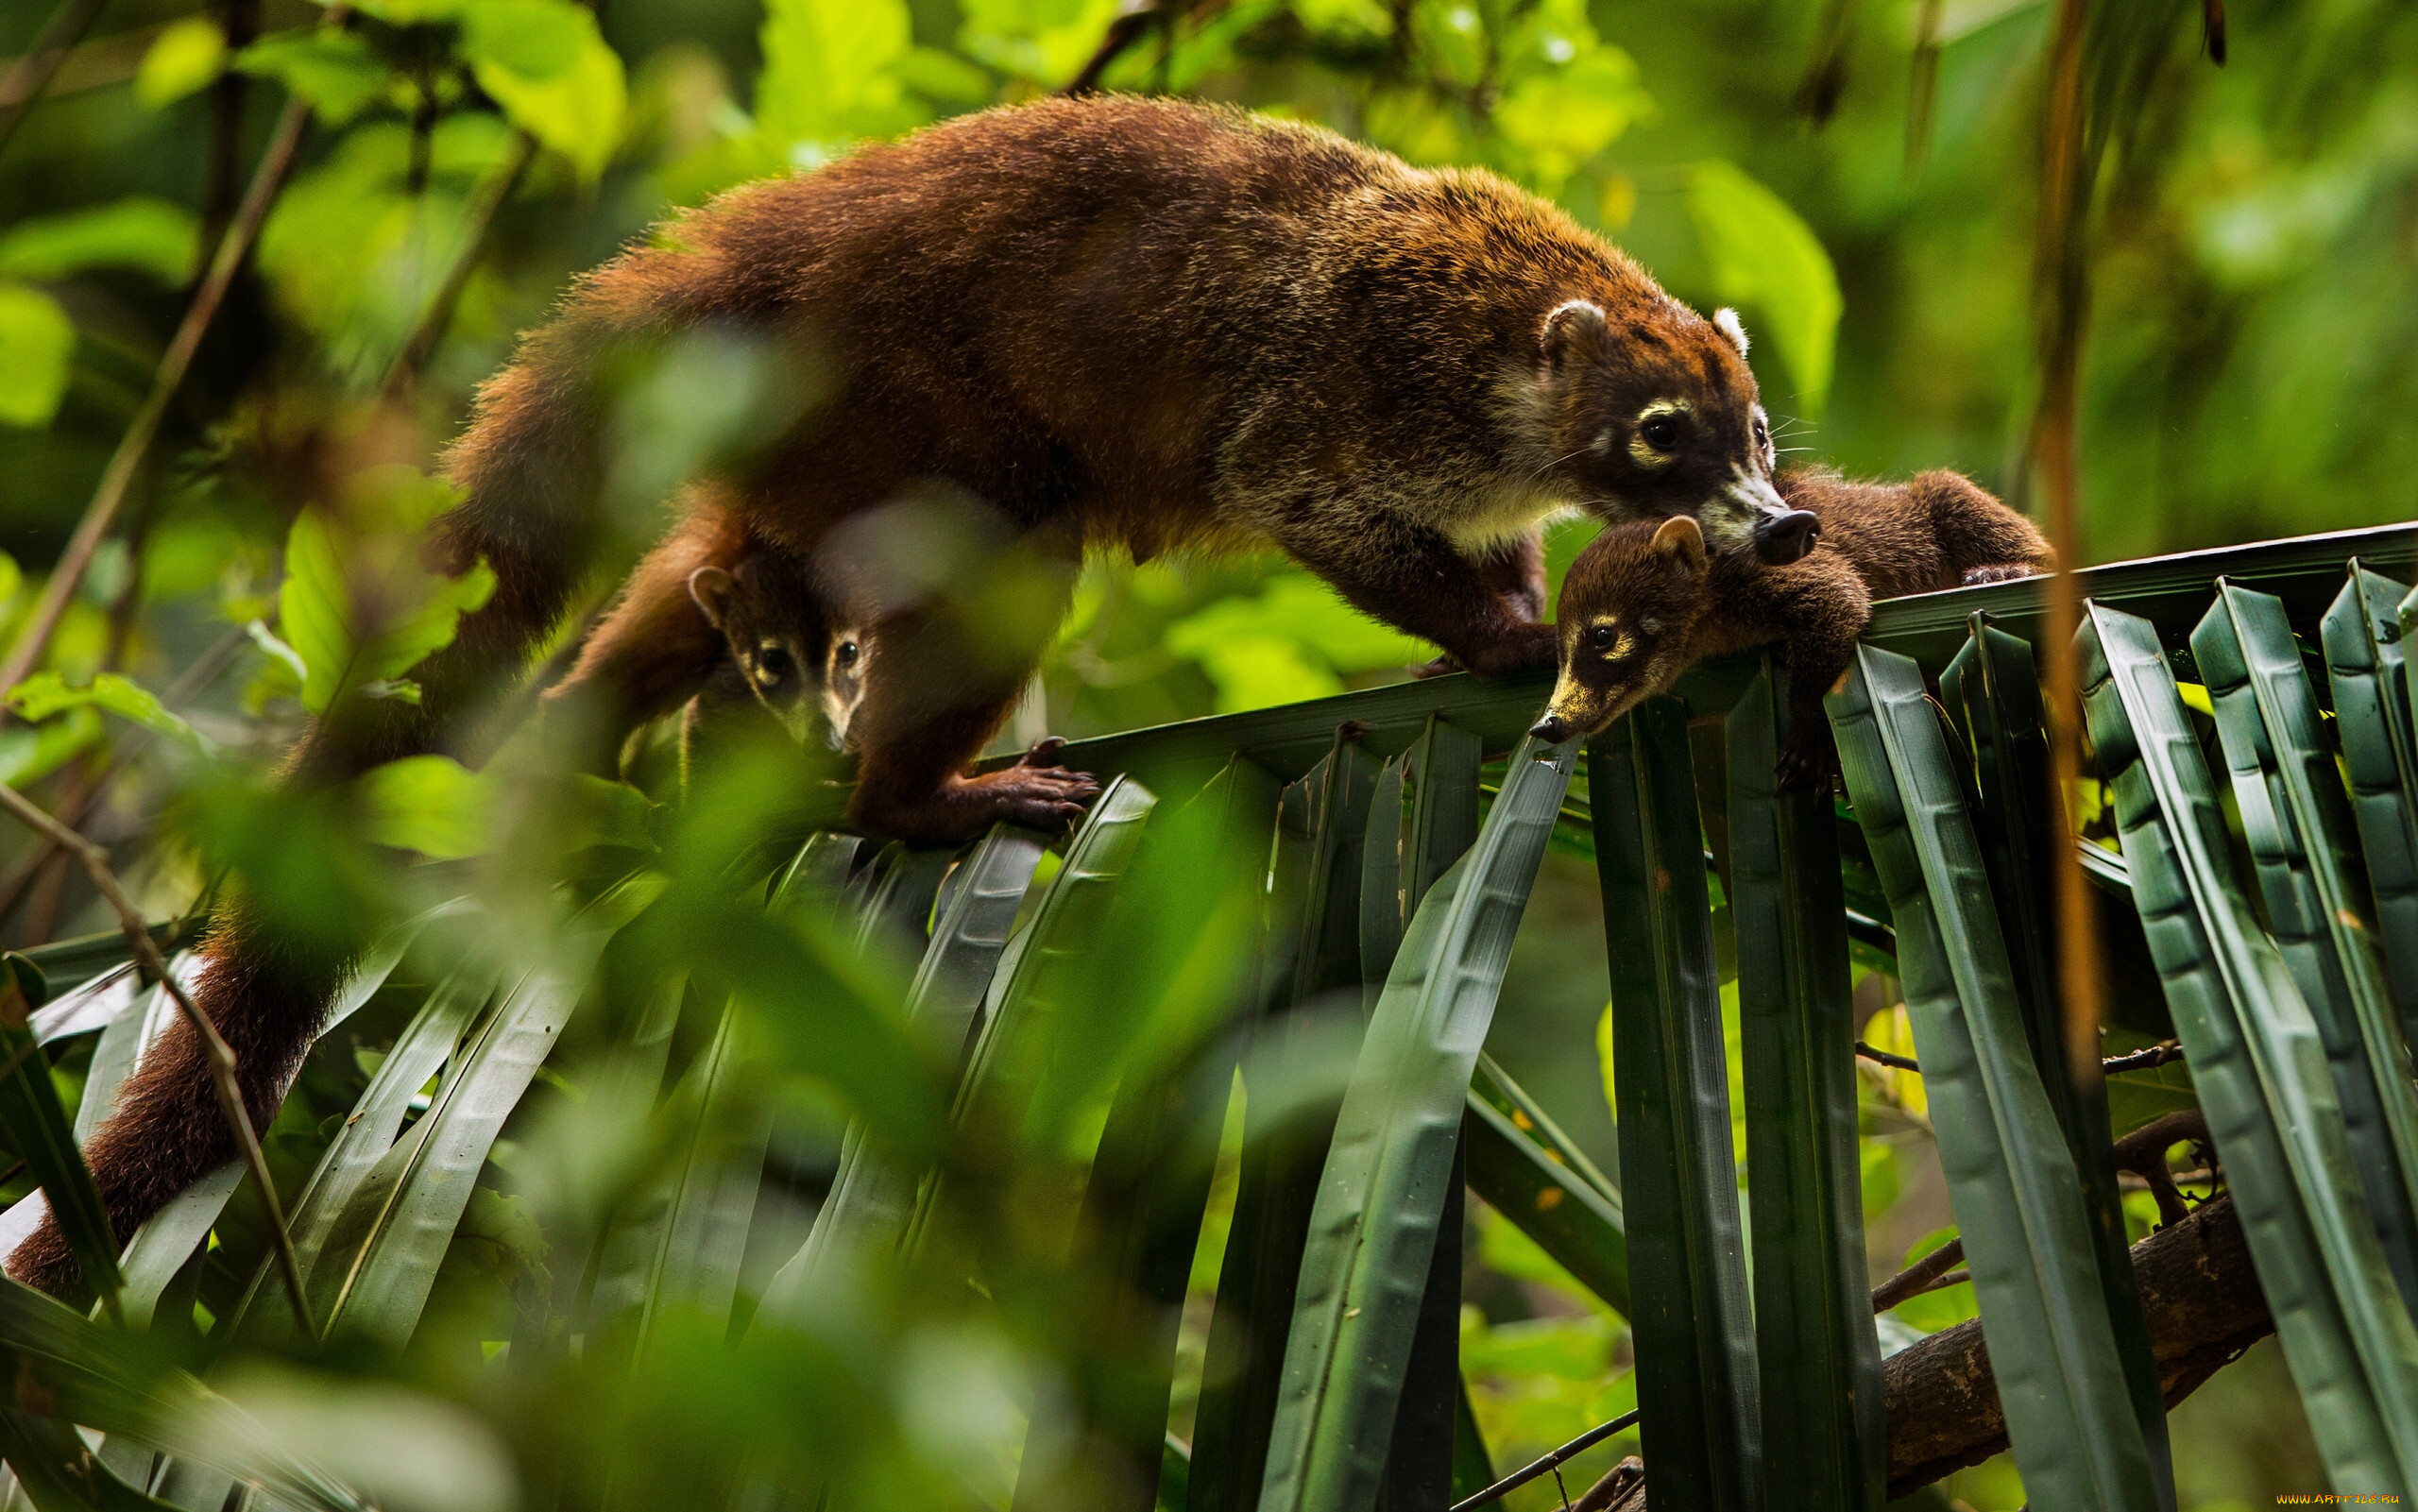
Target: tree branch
x,y
434,320
276,161
2204,1307
221,1059
26,82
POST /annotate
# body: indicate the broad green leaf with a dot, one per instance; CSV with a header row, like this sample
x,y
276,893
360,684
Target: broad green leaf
x,y
533,39
432,804
28,753
332,68
1561,121
1041,41
1363,18
360,608
554,74
831,73
186,55
1761,254
45,694
37,343
150,235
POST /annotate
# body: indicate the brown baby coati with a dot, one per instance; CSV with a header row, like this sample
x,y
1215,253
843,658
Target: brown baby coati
x,y
1105,323
790,658
1644,601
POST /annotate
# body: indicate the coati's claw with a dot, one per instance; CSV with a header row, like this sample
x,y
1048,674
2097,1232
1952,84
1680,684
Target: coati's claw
x,y
1441,667
1808,759
1997,573
1040,797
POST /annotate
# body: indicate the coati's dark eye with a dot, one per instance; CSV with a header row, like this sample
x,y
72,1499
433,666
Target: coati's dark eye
x,y
846,653
1601,638
774,663
1661,433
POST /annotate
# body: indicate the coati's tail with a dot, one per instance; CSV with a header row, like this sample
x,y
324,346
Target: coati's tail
x,y
530,466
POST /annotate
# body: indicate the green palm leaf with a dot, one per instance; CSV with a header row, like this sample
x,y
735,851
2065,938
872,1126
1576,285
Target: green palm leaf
x,y
1818,1355
1311,953
2010,1177
2367,678
1373,1234
1689,1316
2302,843
2259,1067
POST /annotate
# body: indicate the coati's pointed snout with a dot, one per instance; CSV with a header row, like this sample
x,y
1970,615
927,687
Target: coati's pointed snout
x,y
1552,729
1780,539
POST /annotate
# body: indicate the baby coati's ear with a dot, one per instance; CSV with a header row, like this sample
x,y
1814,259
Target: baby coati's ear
x,y
1726,321
1679,540
1575,334
710,586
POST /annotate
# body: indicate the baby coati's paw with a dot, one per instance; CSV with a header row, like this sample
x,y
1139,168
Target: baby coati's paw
x,y
1808,758
1997,573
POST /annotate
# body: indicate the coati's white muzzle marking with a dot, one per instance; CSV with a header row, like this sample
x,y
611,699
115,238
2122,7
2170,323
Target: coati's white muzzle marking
x,y
1743,504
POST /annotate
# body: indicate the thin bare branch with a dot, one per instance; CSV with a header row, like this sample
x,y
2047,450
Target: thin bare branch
x,y
33,72
1926,1274
215,1050
434,320
267,178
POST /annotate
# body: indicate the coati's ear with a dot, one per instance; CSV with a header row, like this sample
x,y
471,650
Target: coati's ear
x,y
1574,333
711,587
1681,540
1726,321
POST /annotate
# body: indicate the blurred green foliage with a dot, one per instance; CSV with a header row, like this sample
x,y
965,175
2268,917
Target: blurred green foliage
x,y
1856,177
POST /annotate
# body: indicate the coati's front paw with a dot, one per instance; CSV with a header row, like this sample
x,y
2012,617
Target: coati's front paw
x,y
1808,758
1037,792
1444,666
1998,572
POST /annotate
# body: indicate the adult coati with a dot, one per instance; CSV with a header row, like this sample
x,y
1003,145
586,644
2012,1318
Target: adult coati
x,y
1644,601
1105,322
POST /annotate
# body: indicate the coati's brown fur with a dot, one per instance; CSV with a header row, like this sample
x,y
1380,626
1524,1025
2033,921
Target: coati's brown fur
x,y
1105,322
1642,601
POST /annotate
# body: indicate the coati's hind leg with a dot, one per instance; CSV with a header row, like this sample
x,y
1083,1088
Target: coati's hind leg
x,y
1981,540
931,704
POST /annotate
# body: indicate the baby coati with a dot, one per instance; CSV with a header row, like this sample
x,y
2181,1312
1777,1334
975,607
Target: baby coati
x,y
1104,323
1642,601
788,656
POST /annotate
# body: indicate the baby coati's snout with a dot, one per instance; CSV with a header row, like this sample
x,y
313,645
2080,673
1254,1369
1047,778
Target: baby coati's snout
x,y
1629,608
803,663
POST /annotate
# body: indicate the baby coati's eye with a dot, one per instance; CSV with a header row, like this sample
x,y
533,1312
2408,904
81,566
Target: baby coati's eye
x,y
1661,433
772,663
846,653
1601,638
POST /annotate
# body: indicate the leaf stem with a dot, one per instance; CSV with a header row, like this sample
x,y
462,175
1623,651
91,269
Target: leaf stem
x,y
267,178
215,1050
